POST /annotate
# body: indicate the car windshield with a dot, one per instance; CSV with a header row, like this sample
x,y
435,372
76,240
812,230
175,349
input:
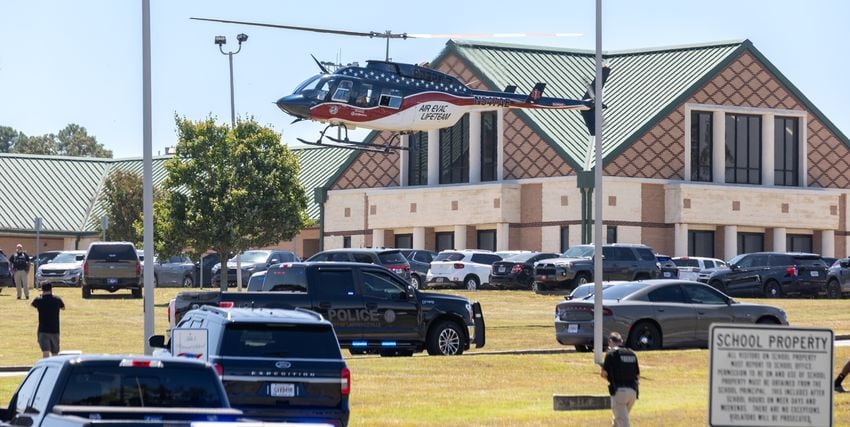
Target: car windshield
x,y
449,256
686,262
737,259
252,256
520,257
579,252
810,261
68,257
393,257
622,291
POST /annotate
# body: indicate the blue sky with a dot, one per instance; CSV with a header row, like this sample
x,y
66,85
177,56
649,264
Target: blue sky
x,y
80,61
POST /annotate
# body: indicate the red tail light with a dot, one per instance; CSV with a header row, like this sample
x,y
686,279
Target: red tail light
x,y
226,304
86,268
792,271
458,266
129,363
517,268
218,369
398,269
170,309
345,381
607,311
138,268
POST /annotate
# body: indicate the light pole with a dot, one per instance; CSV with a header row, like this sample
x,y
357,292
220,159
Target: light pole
x,y
221,41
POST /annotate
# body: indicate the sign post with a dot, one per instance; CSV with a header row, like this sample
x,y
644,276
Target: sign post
x,y
104,224
35,265
770,375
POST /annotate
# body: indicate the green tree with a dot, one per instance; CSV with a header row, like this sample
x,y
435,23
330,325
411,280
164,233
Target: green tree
x,y
123,202
240,184
45,144
74,140
8,137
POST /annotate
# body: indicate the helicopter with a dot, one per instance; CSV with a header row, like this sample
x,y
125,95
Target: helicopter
x,y
401,98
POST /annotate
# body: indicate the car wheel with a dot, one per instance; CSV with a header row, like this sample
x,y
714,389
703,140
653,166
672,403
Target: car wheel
x,y
445,339
396,353
86,292
772,290
645,336
356,351
415,281
471,282
833,290
581,279
717,284
583,348
767,321
188,282
137,292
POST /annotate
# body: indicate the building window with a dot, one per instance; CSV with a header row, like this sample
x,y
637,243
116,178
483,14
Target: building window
x,y
611,234
701,243
743,149
750,242
489,146
346,241
445,240
487,239
403,241
786,154
454,152
701,137
565,238
417,170
798,243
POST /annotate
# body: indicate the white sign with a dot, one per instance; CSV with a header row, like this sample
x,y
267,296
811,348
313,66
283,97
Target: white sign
x,y
190,343
770,375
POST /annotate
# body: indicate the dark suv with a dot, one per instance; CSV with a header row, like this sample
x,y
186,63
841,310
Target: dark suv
x,y
771,274
112,266
391,259
575,267
277,364
420,263
838,279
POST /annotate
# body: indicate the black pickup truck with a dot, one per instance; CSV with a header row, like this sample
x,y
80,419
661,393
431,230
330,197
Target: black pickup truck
x,y
371,308
118,390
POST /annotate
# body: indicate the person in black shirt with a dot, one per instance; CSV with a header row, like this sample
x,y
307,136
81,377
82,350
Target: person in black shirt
x,y
20,266
48,307
621,370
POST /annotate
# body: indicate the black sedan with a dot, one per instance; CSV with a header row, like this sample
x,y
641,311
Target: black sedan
x,y
655,314
517,271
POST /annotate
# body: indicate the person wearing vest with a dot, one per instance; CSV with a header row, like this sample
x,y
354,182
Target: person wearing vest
x,y
20,266
621,370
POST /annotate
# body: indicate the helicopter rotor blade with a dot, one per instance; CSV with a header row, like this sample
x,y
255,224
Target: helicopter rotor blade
x,y
489,36
370,34
321,67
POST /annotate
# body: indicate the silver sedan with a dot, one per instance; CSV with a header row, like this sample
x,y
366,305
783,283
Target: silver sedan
x,y
654,314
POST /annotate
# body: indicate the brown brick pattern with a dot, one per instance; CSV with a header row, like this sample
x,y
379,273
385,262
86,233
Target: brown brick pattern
x,y
660,153
829,158
527,155
454,66
370,169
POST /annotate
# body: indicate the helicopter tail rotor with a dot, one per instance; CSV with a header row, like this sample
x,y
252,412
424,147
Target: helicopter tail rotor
x,y
589,99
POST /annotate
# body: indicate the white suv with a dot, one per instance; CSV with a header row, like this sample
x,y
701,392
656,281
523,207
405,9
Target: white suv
x,y
468,268
690,267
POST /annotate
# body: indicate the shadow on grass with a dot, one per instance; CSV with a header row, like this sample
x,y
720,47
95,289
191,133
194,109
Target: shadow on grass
x,y
113,296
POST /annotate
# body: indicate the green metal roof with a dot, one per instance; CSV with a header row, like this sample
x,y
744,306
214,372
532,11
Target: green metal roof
x,y
643,84
67,192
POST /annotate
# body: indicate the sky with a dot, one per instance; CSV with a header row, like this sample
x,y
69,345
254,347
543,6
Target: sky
x,y
81,62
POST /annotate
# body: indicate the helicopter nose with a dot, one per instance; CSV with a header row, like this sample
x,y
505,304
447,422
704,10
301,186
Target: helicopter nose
x,y
296,105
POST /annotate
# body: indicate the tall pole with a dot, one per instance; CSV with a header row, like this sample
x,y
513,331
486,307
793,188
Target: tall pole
x,y
232,102
148,172
597,179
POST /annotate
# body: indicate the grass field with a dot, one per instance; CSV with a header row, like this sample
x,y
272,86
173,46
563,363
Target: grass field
x,y
483,387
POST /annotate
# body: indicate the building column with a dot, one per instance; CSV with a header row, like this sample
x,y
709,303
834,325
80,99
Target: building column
x,y
474,147
460,237
403,161
768,147
827,243
500,144
433,157
418,238
680,239
730,241
779,234
503,234
378,238
718,147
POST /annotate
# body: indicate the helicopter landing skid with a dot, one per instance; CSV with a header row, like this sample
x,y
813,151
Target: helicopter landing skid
x,y
387,148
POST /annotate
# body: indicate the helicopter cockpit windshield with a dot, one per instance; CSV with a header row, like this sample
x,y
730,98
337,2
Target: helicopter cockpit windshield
x,y
315,87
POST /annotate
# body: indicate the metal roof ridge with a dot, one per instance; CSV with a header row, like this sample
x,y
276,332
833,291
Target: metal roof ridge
x,y
55,157
608,53
90,209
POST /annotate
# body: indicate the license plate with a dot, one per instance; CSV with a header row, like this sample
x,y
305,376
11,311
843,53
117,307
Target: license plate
x,y
815,274
572,328
551,277
501,269
112,281
667,274
282,390
441,279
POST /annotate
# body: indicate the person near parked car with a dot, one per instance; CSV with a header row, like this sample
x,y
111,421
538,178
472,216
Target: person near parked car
x,y
20,266
621,370
840,378
48,306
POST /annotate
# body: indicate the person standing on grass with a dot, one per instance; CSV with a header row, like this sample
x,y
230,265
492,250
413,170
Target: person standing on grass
x,y
621,370
48,307
20,266
840,378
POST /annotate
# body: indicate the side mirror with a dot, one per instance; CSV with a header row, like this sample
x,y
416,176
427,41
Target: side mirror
x,y
273,261
733,267
411,292
157,341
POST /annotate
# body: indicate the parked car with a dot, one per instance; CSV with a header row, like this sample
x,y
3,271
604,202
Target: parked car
x,y
517,271
508,254
44,257
111,266
695,268
586,290
772,275
391,259
176,270
575,266
64,269
209,261
667,268
655,314
255,283
468,268
276,364
5,271
420,263
251,262
838,279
